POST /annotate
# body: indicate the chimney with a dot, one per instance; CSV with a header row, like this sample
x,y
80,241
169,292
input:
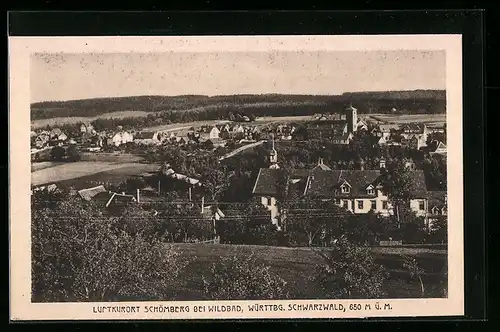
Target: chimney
x,y
138,196
123,193
202,204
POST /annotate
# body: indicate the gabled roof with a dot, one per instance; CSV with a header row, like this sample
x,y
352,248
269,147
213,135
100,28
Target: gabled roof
x,y
386,128
325,183
265,184
88,194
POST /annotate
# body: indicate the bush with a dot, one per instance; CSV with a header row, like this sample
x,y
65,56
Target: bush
x,y
350,271
235,278
79,254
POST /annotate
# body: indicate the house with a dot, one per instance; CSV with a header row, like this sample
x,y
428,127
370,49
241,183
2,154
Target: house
x,y
42,140
87,128
147,138
344,139
381,140
358,191
437,206
361,125
415,128
100,195
120,138
438,148
334,124
384,130
321,166
209,133
414,141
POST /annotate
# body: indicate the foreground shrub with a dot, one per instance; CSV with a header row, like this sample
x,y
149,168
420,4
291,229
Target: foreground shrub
x,y
79,254
349,271
236,278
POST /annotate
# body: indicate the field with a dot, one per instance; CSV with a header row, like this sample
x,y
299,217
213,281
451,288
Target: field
x,y
185,126
428,119
82,173
297,265
282,119
57,121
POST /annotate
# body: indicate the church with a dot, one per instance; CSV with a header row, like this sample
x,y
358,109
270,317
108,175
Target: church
x,y
334,126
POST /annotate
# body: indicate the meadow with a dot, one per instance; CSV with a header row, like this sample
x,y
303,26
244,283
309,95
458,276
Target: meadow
x,y
429,119
297,266
83,173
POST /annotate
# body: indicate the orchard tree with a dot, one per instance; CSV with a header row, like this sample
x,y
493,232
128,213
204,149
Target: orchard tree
x,y
349,271
238,278
398,186
79,254
414,270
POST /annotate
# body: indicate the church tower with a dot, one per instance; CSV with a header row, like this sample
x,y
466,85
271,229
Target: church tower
x,y
352,118
273,156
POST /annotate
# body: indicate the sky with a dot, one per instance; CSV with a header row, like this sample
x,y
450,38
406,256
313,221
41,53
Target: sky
x,y
65,76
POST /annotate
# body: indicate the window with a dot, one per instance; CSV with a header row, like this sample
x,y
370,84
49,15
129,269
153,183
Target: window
x,y
421,205
269,200
346,204
360,205
374,205
384,205
370,191
345,189
337,201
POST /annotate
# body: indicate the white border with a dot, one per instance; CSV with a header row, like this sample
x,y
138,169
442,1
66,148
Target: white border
x,y
20,49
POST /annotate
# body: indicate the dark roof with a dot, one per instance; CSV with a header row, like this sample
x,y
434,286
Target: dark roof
x,y
387,127
323,183
145,135
265,184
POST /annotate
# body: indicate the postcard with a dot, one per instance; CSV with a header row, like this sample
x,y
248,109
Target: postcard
x,y
235,177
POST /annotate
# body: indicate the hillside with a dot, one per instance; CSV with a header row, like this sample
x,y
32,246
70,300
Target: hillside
x,y
418,101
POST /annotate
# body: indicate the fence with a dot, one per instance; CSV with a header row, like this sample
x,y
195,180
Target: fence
x,y
213,241
391,243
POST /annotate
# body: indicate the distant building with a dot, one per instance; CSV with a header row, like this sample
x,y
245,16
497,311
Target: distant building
x,y
437,207
120,138
209,132
384,130
87,128
147,138
334,125
438,148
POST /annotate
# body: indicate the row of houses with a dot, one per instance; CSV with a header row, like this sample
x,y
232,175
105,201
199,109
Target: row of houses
x,y
358,191
412,135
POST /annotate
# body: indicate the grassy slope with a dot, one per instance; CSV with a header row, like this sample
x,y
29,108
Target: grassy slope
x,y
296,265
81,174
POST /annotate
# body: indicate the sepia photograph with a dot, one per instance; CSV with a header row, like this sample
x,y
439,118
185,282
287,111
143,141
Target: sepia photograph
x,y
236,180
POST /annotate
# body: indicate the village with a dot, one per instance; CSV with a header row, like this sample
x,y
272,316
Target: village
x,y
357,189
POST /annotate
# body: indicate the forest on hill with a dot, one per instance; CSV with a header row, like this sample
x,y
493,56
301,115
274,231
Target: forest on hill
x,y
406,102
